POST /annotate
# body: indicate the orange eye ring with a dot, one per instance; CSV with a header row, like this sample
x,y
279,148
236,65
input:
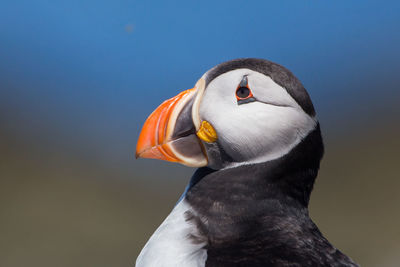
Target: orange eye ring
x,y
243,93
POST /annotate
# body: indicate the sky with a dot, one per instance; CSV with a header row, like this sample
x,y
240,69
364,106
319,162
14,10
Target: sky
x,y
88,73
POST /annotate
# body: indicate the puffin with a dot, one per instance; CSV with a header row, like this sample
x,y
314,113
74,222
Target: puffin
x,y
250,129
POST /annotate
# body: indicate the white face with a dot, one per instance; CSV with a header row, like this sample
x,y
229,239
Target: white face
x,y
256,131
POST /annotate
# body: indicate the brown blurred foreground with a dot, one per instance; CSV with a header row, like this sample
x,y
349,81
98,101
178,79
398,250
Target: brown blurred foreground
x,y
59,210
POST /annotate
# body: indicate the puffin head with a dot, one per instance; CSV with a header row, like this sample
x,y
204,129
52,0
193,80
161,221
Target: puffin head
x,y
243,111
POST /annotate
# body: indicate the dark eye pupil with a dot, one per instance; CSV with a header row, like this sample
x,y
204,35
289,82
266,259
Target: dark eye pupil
x,y
243,92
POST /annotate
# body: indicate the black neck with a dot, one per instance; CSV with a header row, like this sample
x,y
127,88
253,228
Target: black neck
x,y
257,214
291,177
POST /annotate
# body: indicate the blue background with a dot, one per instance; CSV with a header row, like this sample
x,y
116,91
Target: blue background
x,y
79,78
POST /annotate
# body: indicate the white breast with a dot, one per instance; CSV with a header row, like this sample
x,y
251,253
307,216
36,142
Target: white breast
x,y
171,245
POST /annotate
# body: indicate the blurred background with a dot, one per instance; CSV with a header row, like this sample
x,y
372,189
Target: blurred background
x,y
79,78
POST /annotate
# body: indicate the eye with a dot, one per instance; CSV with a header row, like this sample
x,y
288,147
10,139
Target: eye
x,y
243,93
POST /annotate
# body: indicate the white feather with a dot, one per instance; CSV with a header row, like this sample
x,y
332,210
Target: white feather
x,y
258,131
170,245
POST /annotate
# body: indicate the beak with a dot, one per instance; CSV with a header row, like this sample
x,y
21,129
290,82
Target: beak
x,y
169,133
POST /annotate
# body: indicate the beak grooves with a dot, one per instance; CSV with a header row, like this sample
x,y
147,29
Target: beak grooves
x,y
160,139
158,128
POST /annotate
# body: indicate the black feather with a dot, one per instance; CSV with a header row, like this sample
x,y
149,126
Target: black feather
x,y
257,215
278,74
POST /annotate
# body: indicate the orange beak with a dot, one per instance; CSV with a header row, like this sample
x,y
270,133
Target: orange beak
x,y
169,133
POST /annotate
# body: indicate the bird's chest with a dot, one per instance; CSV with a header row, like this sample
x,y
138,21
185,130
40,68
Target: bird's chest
x,y
239,244
176,242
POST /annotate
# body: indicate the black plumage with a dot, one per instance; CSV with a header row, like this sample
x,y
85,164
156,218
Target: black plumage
x,y
243,211
257,215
